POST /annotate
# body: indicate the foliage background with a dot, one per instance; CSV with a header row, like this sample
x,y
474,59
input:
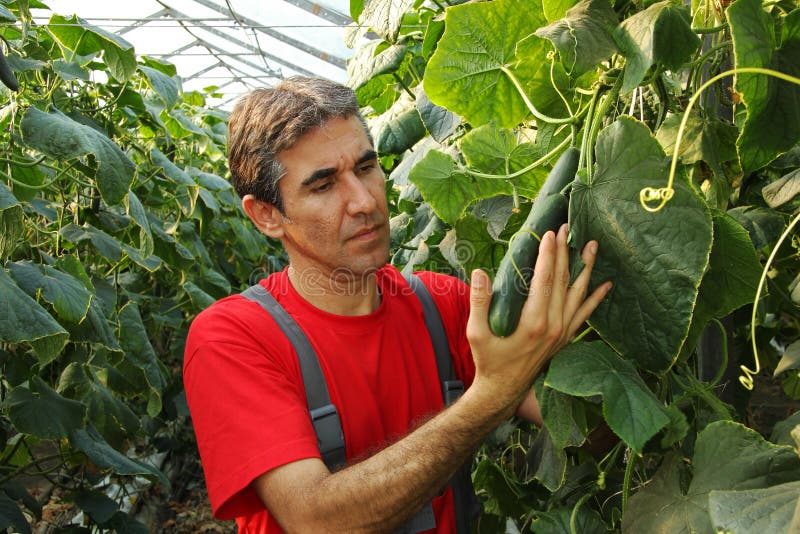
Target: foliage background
x,y
117,226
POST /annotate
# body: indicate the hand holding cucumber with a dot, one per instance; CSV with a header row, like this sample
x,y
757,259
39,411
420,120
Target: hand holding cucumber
x,y
550,316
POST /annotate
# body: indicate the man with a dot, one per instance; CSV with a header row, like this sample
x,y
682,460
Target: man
x,y
305,167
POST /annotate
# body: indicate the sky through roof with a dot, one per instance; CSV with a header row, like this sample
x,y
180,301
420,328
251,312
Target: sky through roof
x,y
234,45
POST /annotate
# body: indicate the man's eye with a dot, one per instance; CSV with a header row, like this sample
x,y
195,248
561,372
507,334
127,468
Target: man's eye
x,y
324,187
366,168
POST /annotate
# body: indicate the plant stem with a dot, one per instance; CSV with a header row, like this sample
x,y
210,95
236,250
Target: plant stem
x,y
715,29
602,108
626,482
404,86
573,517
747,379
536,113
561,146
664,194
724,334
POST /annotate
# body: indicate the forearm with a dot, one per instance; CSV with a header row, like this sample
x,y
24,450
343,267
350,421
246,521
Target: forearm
x,y
383,491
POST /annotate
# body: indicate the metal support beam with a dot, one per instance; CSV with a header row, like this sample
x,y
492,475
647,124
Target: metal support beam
x,y
155,16
322,12
246,46
258,26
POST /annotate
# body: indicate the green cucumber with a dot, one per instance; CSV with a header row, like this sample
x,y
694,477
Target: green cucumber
x,y
6,74
549,212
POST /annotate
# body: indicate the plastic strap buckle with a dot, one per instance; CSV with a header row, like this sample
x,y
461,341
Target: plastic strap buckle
x,y
328,428
453,389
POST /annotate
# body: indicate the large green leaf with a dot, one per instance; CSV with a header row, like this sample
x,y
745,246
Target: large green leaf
x,y
547,461
187,190
728,456
398,129
656,260
69,297
563,416
781,190
464,74
773,509
556,9
138,213
104,456
772,125
494,151
732,276
385,16
140,356
448,189
473,247
166,87
60,137
629,407
370,62
659,35
23,319
559,521
440,122
107,246
11,222
43,413
704,139
108,413
583,37
83,39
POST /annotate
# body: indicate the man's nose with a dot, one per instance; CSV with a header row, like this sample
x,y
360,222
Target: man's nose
x,y
360,199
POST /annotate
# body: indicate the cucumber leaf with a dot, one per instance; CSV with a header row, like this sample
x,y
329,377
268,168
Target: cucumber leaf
x,y
727,456
449,190
464,74
23,319
496,151
584,37
42,412
768,129
775,509
69,297
731,279
58,136
82,38
11,221
586,369
656,260
659,35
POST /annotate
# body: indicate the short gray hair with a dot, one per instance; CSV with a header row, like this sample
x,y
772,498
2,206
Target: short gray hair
x,y
267,121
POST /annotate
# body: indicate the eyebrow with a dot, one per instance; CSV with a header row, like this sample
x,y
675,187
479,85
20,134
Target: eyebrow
x,y
321,174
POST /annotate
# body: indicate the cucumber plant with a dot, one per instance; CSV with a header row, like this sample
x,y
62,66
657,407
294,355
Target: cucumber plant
x,y
686,121
116,228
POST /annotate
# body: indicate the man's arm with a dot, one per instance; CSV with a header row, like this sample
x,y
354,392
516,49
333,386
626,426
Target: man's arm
x,y
385,490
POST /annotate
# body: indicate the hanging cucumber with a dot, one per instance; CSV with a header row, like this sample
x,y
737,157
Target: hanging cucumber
x,y
6,74
549,212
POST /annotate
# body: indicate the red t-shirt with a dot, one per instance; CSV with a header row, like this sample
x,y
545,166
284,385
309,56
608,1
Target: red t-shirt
x,y
246,395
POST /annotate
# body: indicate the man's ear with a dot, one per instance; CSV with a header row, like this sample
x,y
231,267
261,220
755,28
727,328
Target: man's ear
x,y
267,218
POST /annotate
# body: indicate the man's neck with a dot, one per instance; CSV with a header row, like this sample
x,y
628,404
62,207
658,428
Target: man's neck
x,y
336,293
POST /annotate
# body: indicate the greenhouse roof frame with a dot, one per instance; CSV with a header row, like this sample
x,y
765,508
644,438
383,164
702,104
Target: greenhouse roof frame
x,y
232,46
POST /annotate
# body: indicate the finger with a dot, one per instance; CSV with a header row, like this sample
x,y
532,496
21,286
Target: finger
x,y
587,308
480,296
560,281
535,309
577,293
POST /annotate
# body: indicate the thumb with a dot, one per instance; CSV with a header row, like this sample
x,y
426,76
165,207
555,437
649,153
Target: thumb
x,y
479,298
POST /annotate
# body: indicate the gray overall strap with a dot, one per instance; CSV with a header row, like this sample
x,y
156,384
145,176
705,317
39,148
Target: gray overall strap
x,y
324,416
466,505
451,388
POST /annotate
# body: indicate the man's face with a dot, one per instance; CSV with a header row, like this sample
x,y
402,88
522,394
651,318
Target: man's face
x,y
336,218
